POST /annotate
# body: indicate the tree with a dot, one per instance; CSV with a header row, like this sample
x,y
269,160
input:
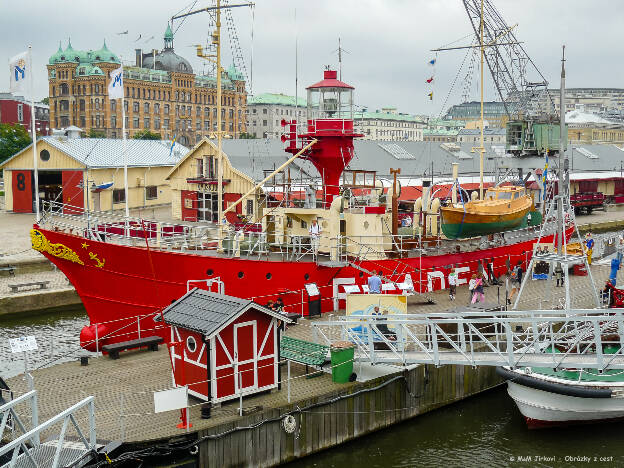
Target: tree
x,y
146,135
247,136
13,138
45,101
93,133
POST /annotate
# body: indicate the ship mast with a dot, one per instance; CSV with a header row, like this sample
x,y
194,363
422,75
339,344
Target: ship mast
x,y
216,59
482,147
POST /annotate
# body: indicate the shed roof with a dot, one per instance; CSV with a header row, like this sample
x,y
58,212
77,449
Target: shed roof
x,y
208,312
108,152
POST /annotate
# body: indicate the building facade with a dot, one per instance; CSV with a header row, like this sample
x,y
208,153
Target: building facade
x,y
266,111
388,125
490,135
67,165
601,101
493,112
16,110
162,95
194,181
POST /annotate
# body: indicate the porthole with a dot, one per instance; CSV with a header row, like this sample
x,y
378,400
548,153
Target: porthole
x,y
191,344
269,276
306,277
361,274
44,155
210,272
241,274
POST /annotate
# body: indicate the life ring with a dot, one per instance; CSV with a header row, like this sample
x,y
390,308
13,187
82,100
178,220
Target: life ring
x,y
289,423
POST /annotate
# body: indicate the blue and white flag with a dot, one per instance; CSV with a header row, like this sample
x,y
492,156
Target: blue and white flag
x,y
116,87
19,72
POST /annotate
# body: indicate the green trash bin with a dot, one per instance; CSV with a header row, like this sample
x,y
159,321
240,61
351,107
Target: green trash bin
x,y
342,353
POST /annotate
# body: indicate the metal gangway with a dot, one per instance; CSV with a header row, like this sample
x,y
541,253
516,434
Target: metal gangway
x,y
557,339
24,447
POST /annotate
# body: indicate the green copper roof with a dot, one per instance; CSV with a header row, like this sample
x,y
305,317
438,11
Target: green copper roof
x,y
105,55
234,74
83,57
57,55
386,116
277,99
168,32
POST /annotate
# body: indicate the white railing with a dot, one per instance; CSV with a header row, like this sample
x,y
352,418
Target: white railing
x,y
591,338
28,444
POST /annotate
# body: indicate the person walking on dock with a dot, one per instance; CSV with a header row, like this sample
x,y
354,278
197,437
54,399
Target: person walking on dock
x,y
559,274
477,293
452,280
589,244
516,281
615,266
374,283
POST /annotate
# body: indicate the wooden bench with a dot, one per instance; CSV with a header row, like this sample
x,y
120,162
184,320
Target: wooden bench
x,y
9,268
303,352
41,284
151,342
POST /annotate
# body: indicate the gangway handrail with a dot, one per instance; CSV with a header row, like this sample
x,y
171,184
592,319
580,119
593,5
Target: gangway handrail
x,y
66,416
491,338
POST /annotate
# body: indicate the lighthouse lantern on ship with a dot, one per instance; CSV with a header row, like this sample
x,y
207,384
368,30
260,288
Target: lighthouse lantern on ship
x,y
330,123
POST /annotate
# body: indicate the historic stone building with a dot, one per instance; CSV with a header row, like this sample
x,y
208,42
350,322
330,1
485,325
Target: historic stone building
x,y
162,95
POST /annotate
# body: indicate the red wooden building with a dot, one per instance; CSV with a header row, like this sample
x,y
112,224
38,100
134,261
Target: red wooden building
x,y
16,110
223,345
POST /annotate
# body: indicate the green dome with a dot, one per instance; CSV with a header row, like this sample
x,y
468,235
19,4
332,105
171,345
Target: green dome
x,y
57,55
168,32
105,55
69,54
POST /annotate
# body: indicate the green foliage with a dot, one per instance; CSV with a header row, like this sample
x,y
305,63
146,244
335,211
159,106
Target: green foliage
x,y
45,101
13,138
247,136
93,133
146,135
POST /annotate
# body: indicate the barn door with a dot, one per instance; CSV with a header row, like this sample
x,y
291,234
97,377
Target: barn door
x,y
246,356
22,192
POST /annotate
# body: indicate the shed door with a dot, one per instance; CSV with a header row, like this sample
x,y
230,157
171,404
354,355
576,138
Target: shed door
x,y
245,356
73,193
22,192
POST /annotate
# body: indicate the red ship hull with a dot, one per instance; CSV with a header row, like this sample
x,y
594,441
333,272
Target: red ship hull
x,y
119,282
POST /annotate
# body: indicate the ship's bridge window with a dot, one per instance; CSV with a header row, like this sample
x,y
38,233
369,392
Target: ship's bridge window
x,y
504,196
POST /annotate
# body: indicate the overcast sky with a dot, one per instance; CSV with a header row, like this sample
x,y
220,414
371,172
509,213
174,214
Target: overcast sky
x,y
388,41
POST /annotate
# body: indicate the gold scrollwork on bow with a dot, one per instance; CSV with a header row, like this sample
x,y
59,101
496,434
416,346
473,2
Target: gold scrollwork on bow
x,y
40,243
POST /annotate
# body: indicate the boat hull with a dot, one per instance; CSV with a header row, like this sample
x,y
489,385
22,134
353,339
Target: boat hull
x,y
542,408
117,283
457,224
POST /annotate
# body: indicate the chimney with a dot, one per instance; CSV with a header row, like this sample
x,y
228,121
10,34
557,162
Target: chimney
x,y
139,57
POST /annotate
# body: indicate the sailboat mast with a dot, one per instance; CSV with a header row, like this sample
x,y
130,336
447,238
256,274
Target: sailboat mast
x,y
217,40
482,148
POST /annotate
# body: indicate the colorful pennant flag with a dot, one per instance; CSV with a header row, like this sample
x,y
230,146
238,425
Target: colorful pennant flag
x,y
430,96
432,62
430,80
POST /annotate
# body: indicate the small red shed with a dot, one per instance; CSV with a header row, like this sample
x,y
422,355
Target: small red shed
x,y
225,345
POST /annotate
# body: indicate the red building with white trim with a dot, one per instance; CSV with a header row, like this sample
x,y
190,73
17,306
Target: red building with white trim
x,y
16,110
223,346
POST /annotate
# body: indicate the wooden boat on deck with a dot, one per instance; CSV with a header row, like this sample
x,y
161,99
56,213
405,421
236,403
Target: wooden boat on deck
x,y
502,209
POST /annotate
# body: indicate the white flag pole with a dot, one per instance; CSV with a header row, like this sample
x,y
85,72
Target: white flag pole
x,y
123,131
33,132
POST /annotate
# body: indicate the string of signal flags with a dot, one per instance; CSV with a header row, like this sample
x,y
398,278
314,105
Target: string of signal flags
x,y
431,81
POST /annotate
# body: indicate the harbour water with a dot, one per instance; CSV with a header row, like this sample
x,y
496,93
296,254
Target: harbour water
x,y
483,431
486,430
56,331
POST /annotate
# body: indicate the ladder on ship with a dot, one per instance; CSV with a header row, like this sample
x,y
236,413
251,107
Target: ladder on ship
x,y
588,339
